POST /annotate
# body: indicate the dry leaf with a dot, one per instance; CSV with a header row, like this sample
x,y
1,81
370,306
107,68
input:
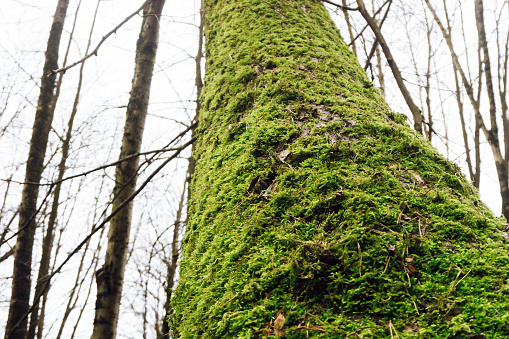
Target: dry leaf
x,y
269,190
392,250
422,183
283,155
412,327
305,131
412,270
279,323
324,113
304,68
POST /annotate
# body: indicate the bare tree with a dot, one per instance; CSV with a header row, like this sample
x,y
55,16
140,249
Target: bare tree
x,y
416,112
110,276
491,133
17,322
36,321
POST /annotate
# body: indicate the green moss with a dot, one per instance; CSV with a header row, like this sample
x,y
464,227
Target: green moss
x,y
312,197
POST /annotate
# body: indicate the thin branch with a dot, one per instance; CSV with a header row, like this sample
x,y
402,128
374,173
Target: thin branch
x,y
416,112
100,226
343,8
364,28
32,217
113,163
104,38
376,42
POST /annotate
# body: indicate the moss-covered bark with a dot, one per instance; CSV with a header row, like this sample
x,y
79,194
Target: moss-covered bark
x,y
313,199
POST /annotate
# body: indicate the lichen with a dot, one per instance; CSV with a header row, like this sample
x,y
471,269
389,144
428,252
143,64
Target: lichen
x,y
312,198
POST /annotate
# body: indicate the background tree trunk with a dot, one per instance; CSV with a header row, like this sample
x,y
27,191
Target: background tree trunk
x,y
36,319
16,326
307,186
110,276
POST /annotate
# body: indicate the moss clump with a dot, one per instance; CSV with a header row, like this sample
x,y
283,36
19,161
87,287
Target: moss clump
x,y
312,198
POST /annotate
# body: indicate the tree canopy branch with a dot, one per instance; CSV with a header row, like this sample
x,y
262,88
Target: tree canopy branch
x,y
96,49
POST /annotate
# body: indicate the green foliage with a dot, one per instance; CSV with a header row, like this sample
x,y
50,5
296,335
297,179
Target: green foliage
x,y
313,198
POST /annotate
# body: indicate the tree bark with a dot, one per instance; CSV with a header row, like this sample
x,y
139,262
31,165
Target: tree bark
x,y
307,185
110,276
16,326
36,319
172,262
494,140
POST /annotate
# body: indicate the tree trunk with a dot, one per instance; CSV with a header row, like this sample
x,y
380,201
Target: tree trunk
x,y
172,262
110,277
36,319
315,211
416,112
16,326
494,140
178,230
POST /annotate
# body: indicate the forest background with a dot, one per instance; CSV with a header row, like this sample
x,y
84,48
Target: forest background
x,y
418,47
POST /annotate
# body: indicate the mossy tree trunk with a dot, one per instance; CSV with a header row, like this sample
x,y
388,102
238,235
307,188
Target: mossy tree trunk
x,y
110,277
315,210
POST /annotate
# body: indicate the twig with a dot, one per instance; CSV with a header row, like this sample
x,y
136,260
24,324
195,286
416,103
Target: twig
x,y
110,164
365,27
20,229
413,302
386,265
455,285
343,8
391,327
416,112
104,38
360,259
99,227
376,42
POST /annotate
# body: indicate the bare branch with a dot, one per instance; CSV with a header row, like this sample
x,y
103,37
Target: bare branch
x,y
343,8
104,38
416,112
113,163
100,226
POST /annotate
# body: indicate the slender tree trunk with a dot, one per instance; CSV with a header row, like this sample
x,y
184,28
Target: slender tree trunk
x,y
494,140
110,277
349,27
21,282
416,112
427,86
175,248
380,71
491,134
36,320
503,59
307,185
